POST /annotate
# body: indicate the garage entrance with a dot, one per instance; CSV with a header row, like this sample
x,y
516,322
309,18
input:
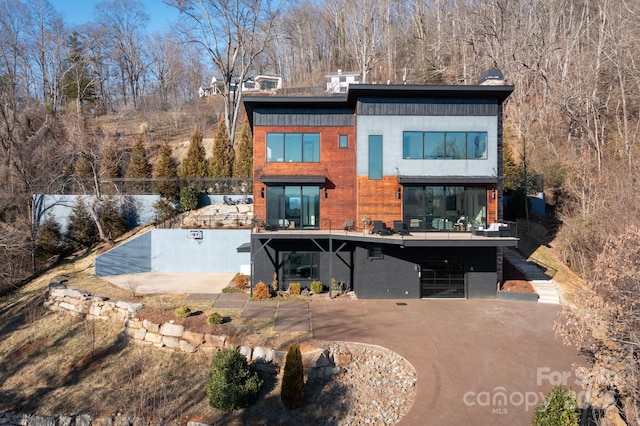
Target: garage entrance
x,y
442,279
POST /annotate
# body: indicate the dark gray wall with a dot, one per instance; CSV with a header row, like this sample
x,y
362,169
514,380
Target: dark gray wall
x,y
263,267
482,285
427,107
394,276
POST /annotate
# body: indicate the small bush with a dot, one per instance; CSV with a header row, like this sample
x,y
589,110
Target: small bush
x,y
335,285
230,289
215,318
261,291
559,408
241,281
295,288
292,393
274,283
305,292
316,287
232,384
182,312
189,198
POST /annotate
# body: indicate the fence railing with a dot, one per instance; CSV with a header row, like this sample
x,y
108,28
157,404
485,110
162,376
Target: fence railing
x,y
144,186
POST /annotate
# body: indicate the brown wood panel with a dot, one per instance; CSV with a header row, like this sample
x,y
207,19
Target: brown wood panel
x,y
377,199
492,206
337,164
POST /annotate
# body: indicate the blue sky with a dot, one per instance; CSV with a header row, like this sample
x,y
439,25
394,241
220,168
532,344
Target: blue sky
x,y
77,12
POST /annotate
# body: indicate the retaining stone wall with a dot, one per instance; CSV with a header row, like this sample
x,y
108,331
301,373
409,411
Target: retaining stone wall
x,y
317,362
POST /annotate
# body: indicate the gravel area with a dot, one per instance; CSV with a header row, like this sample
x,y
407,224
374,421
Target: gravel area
x,y
376,387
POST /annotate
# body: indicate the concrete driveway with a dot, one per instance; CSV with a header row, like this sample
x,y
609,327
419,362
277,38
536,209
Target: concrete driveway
x,y
172,282
479,362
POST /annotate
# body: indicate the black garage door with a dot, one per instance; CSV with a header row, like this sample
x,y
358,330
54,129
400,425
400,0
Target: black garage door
x,y
444,279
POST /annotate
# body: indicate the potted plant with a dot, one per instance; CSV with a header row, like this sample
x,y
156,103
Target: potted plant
x,y
366,223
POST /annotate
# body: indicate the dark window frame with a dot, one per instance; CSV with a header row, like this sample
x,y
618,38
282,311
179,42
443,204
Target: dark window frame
x,y
301,153
375,252
474,149
375,167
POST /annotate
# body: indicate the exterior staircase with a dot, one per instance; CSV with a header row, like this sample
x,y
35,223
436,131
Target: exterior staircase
x,y
541,282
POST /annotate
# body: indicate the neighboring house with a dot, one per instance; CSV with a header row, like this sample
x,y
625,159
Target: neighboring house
x,y
425,160
338,82
259,83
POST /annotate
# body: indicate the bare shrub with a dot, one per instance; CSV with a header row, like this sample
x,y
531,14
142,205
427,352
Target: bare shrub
x,y
241,281
261,291
606,319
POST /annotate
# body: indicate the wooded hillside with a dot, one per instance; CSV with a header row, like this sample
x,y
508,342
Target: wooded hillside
x,y
574,115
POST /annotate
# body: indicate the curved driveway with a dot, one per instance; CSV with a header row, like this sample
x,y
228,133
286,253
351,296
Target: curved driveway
x,y
479,362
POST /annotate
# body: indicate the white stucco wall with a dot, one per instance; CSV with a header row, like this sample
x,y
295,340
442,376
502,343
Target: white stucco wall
x,y
392,127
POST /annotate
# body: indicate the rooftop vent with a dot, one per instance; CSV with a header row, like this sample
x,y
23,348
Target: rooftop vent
x,y
492,77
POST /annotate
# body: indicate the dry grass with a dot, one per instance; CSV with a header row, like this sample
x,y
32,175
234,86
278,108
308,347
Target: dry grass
x,y
53,363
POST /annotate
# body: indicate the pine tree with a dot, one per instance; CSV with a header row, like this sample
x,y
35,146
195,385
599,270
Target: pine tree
x,y
83,168
111,219
110,167
512,172
292,392
243,164
194,164
166,167
139,166
48,241
81,229
223,154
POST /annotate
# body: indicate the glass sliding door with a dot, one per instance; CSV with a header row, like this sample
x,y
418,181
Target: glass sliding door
x,y
293,206
311,207
444,208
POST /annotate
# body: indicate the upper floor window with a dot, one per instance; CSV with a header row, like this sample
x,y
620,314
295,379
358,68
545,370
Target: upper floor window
x,y
375,157
344,141
445,145
293,147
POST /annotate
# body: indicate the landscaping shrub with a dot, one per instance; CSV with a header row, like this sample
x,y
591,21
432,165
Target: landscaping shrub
x,y
49,241
232,384
182,312
559,408
295,288
335,285
215,318
261,291
241,281
189,198
316,287
292,392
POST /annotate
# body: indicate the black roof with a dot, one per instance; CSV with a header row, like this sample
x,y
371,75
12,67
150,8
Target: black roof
x,y
356,91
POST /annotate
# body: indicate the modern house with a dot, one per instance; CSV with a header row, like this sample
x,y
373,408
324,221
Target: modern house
x,y
338,82
392,189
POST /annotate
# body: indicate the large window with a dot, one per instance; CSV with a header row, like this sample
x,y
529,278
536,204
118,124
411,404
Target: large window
x,y
293,147
438,208
293,206
301,265
445,145
375,157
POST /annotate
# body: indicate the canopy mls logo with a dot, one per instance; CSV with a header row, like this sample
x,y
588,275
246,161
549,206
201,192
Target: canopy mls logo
x,y
500,400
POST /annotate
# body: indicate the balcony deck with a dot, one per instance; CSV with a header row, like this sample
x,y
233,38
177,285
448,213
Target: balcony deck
x,y
414,239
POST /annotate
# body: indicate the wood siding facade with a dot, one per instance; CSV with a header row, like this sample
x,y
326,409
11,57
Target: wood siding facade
x,y
336,164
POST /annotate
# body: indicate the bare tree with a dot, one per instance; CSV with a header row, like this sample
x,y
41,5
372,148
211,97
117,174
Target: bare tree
x,y
233,34
124,22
